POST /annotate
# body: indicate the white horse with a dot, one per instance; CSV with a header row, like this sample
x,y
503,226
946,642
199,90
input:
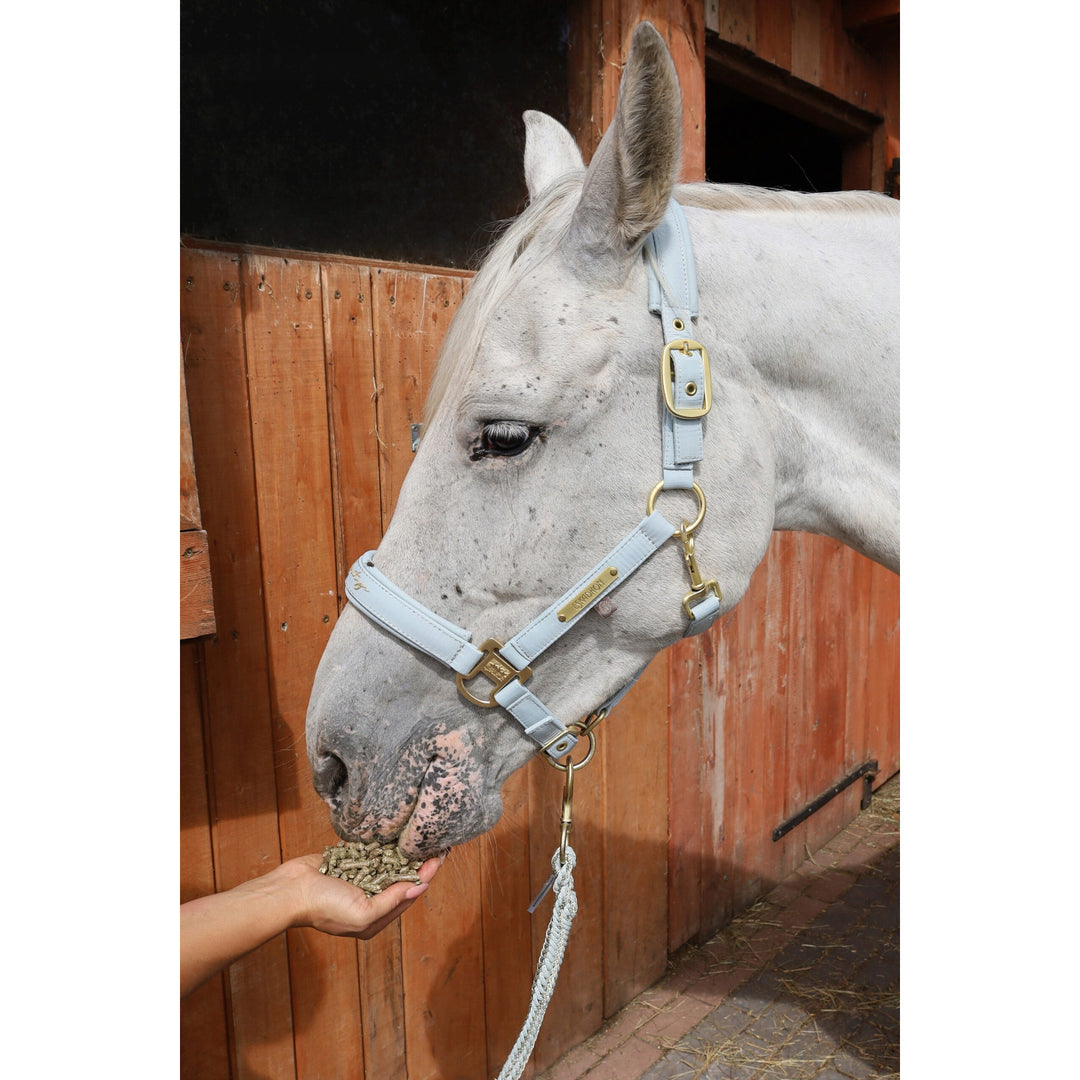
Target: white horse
x,y
544,444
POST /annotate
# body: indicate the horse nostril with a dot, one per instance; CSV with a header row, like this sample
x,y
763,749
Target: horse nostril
x,y
329,775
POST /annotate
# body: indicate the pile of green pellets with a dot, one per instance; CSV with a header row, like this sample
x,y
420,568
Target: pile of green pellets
x,y
371,867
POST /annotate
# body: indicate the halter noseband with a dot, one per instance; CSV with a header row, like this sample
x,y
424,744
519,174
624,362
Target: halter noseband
x,y
685,382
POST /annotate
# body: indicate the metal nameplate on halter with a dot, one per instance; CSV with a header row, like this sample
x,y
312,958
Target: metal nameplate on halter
x,y
588,594
702,393
492,666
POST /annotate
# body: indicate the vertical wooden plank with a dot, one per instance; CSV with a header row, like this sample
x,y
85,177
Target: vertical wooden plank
x,y
720,752
443,974
283,327
350,384
774,706
507,930
576,1008
190,516
686,42
738,23
790,606
772,26
244,796
806,40
635,839
204,1044
382,1001
856,742
685,737
830,685
747,781
833,42
883,681
412,312
683,29
799,679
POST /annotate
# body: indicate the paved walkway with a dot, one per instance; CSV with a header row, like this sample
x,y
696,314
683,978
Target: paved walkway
x,y
803,986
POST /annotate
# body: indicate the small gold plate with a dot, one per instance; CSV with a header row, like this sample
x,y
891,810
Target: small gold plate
x,y
588,594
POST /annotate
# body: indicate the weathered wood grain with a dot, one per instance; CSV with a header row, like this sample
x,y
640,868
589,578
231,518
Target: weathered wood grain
x,y
240,748
196,590
204,1045
283,330
635,830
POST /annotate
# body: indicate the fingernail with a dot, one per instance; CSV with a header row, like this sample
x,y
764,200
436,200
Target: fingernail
x,y
416,890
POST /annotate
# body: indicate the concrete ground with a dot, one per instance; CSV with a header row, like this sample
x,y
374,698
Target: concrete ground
x,y
803,986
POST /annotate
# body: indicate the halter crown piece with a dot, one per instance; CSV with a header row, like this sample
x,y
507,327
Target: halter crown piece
x,y
686,389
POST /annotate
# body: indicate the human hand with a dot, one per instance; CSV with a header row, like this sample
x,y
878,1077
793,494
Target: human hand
x,y
336,907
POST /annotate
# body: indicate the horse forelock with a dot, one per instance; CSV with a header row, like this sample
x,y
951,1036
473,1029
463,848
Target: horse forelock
x,y
526,241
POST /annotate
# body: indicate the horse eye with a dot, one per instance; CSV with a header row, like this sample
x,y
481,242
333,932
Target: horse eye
x,y
504,438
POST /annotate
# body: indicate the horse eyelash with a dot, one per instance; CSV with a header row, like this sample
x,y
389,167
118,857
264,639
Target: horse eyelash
x,y
504,431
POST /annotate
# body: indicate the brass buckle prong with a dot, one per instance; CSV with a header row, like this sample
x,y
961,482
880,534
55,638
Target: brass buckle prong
x,y
495,668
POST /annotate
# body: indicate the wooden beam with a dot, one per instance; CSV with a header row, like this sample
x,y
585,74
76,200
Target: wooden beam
x,y
749,75
196,594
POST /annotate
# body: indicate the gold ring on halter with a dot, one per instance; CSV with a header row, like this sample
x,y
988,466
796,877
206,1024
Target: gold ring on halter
x,y
591,736
651,505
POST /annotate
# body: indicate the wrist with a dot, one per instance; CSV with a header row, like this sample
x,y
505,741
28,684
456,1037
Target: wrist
x,y
275,900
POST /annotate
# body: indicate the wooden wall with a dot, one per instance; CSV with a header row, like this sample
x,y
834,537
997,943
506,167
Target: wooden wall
x,y
304,376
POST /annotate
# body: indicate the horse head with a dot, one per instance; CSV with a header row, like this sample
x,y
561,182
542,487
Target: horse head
x,y
541,447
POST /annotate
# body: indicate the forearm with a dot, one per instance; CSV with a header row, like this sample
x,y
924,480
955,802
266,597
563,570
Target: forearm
x,y
216,930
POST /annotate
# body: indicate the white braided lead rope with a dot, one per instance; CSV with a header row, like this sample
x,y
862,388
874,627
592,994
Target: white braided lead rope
x,y
547,968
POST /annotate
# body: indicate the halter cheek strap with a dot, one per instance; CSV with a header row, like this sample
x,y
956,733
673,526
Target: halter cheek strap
x,y
686,390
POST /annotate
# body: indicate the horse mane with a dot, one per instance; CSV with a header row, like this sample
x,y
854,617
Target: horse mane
x,y
708,196
532,237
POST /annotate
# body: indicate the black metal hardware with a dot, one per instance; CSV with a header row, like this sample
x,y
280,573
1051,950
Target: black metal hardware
x,y
866,772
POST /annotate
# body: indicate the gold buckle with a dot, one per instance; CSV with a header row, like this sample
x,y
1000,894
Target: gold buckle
x,y
667,380
492,666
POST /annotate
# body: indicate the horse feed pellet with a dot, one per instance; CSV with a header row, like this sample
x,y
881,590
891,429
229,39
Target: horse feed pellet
x,y
371,867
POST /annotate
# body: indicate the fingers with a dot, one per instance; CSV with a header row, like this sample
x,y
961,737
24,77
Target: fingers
x,y
400,900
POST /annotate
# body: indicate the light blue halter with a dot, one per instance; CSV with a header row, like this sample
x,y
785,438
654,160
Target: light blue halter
x,y
687,393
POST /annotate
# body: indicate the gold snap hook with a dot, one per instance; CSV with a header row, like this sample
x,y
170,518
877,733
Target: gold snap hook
x,y
566,817
698,585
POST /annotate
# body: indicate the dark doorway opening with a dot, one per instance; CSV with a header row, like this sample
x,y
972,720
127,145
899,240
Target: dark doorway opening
x,y
750,142
387,131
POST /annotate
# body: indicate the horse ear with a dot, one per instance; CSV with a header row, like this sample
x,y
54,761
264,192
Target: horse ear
x,y
631,176
550,152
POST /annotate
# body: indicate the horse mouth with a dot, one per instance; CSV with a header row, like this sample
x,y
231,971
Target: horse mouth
x,y
426,819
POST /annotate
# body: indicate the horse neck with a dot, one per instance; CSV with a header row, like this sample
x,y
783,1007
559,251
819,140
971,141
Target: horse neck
x,y
805,306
